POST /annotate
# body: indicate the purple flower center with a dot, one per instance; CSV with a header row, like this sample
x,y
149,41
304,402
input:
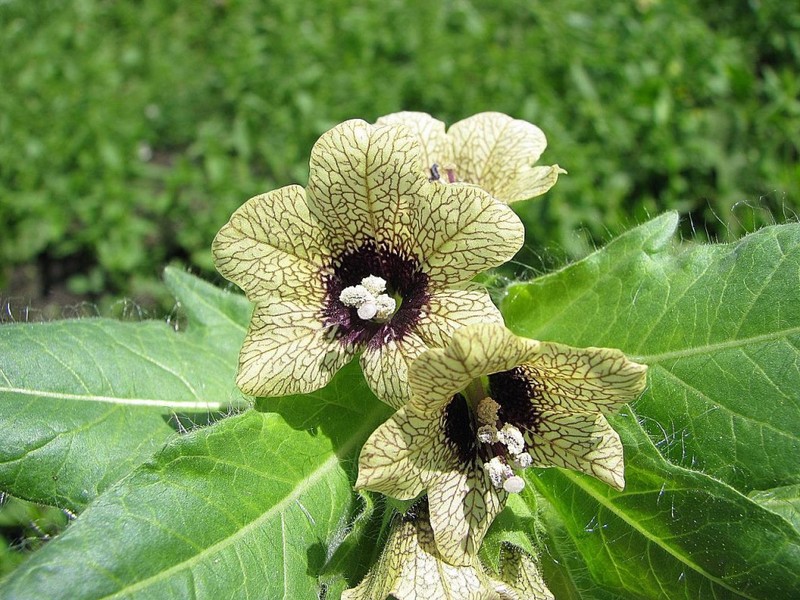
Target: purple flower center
x,y
513,391
460,430
405,281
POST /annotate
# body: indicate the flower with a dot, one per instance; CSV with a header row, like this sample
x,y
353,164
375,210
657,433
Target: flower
x,y
458,437
371,257
490,149
410,567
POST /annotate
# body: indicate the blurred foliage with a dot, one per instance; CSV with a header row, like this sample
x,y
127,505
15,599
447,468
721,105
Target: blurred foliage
x,y
129,131
24,527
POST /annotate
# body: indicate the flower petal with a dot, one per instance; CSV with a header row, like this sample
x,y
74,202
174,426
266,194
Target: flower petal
x,y
399,455
495,151
364,182
461,230
288,350
463,503
451,308
531,182
585,379
410,567
520,577
581,441
431,135
473,351
273,248
385,367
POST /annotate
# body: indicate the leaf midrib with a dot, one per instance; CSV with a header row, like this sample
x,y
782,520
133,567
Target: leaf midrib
x,y
578,480
694,350
145,402
307,483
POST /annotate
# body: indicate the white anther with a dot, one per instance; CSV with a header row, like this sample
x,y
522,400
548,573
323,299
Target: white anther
x,y
523,460
487,434
514,484
498,471
368,299
385,306
374,285
368,310
486,411
355,296
512,438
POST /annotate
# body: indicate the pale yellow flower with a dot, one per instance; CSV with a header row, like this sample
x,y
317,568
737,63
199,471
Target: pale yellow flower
x,y
371,257
487,406
490,149
410,568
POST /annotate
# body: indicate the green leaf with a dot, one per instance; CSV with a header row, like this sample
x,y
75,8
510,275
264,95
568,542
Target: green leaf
x,y
563,568
719,326
784,501
209,307
83,402
515,525
674,532
252,506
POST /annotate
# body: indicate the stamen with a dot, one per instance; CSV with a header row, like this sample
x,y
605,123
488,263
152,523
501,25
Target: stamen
x,y
356,295
385,305
487,434
501,476
368,310
369,300
523,460
514,484
508,445
486,411
435,176
498,471
374,285
512,438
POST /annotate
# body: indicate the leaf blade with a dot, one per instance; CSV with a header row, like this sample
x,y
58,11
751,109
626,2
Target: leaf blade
x,y
275,509
108,392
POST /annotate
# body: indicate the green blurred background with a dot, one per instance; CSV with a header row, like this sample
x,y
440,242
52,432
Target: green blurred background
x,y
130,130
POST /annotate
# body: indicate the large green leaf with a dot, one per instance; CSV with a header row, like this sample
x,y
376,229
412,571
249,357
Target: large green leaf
x,y
719,326
82,402
253,506
674,533
563,568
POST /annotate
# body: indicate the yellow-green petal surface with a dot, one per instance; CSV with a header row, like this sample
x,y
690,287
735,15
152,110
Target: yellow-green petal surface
x,y
451,308
386,368
273,248
461,230
430,132
287,350
463,504
579,441
496,152
402,455
364,184
519,577
473,352
583,379
411,568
